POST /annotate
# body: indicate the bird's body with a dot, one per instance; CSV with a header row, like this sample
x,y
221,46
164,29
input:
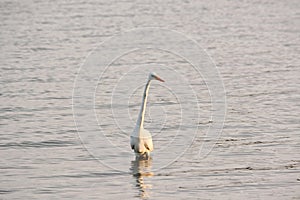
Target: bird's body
x,y
141,144
141,139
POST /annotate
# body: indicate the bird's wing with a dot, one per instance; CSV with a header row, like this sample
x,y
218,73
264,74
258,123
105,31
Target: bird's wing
x,y
147,140
149,144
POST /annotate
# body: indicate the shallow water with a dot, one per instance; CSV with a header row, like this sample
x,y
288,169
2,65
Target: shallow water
x,y
256,47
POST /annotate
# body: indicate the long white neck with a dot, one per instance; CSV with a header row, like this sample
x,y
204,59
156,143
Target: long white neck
x,y
141,117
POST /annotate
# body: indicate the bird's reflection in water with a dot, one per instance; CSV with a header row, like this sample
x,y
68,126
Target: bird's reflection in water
x,y
141,168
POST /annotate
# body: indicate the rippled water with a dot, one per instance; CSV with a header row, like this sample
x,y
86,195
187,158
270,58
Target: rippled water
x,y
256,47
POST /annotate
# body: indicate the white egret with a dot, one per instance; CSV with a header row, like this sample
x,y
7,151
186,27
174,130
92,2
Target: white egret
x,y
141,139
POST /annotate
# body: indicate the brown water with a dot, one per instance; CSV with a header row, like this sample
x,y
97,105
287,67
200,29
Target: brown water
x,y
255,46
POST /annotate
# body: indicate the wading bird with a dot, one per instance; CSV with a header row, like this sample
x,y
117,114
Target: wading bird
x,y
141,139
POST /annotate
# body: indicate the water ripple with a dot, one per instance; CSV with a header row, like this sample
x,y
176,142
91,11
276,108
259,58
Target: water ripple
x,y
42,144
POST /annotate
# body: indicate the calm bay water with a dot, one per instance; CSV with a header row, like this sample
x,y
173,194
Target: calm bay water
x,y
256,47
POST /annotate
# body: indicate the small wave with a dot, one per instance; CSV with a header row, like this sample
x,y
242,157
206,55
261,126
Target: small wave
x,y
42,144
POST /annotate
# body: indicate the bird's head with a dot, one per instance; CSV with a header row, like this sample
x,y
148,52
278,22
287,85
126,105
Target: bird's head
x,y
154,76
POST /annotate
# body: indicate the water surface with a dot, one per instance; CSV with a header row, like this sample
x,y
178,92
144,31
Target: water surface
x,y
255,46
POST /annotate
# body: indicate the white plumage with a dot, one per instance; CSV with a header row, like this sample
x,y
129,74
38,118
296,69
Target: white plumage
x,y
141,139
